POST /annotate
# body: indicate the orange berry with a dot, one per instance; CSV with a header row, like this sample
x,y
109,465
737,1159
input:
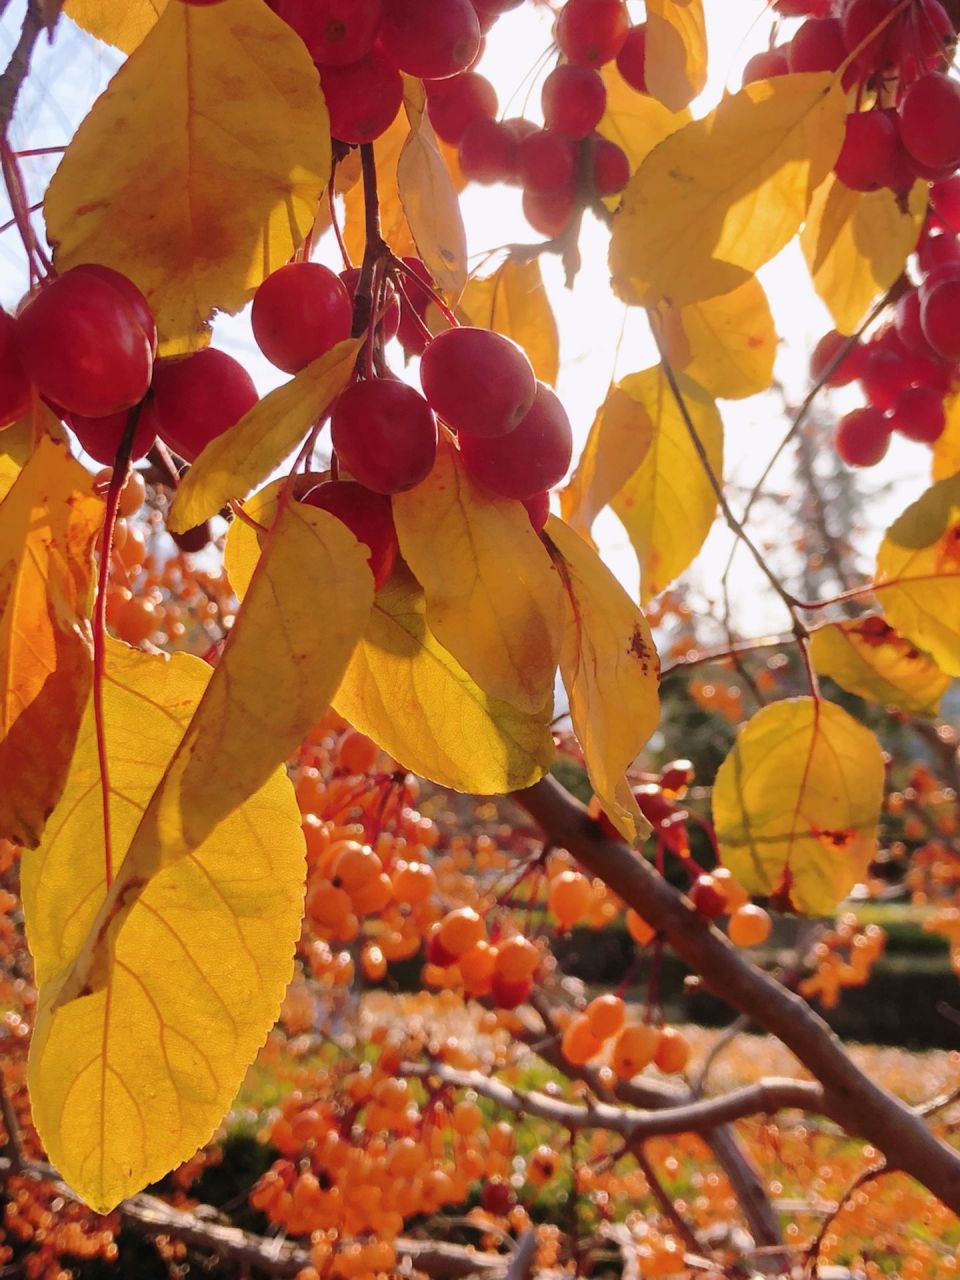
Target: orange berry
x,y
354,866
466,1118
569,897
477,966
749,926
606,1016
542,1166
357,753
136,620
579,1044
517,959
133,552
413,882
373,963
673,1051
460,930
373,896
635,1048
731,889
638,929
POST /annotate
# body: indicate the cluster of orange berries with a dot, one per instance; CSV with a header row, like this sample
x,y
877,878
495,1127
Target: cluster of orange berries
x,y
43,1228
633,1046
844,957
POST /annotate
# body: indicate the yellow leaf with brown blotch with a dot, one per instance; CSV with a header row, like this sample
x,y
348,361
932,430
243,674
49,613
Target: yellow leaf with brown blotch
x,y
429,197
856,244
918,573
404,690
128,1079
867,657
723,195
235,462
796,804
199,170
675,66
636,122
514,302
49,520
122,25
493,597
725,344
611,673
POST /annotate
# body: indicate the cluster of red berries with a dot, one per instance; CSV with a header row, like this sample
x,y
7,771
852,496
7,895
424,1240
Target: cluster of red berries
x,y
899,60
566,165
87,341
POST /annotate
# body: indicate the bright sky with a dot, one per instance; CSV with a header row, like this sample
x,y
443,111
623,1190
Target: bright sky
x,y
68,76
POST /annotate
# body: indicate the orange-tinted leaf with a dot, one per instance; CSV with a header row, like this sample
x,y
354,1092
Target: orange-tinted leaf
x,y
726,344
946,451
123,25
636,122
48,522
866,656
797,801
676,51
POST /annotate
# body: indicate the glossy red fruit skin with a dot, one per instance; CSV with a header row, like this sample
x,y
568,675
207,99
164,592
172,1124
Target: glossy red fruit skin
x,y
859,19
477,381
940,317
574,100
367,515
945,197
592,32
817,46
83,346
488,152
930,121
390,321
299,313
454,104
766,66
826,351
538,509
546,162
863,437
129,291
336,32
707,898
919,415
101,437
611,167
549,214
632,58
385,435
510,995
362,98
198,397
533,457
870,156
15,393
430,40
884,376
497,1197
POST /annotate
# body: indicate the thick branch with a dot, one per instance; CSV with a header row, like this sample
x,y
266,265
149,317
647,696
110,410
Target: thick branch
x,y
850,1096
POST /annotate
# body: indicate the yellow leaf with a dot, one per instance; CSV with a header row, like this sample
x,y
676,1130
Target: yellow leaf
x,y
946,451
918,573
866,656
675,68
514,302
232,464
199,170
636,122
611,673
404,690
129,1080
393,219
640,459
797,801
123,25
493,596
726,344
429,198
724,194
856,244
619,441
48,522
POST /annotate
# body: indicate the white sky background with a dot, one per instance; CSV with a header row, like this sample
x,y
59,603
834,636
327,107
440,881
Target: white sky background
x,y
68,76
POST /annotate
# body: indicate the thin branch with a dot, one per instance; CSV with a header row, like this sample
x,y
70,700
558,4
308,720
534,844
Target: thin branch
x,y
698,657
665,1201
861,1180
11,81
12,1126
524,1256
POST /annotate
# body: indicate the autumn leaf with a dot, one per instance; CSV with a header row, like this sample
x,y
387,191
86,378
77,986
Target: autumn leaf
x,y
675,67
234,463
513,301
796,804
866,656
393,219
404,690
243,154
49,519
726,344
129,1080
611,673
724,194
636,122
918,574
856,244
429,197
946,450
640,458
123,25
493,597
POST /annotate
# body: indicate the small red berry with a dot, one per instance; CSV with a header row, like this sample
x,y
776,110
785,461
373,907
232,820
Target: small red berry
x,y
367,515
196,398
863,437
385,434
477,381
533,457
299,313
